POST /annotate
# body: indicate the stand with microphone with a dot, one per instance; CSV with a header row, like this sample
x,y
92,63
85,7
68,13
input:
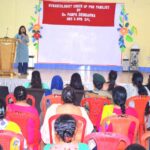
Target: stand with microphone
x,y
6,36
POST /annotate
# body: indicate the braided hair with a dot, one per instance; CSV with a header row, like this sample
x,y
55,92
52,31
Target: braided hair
x,y
65,127
137,80
119,97
112,79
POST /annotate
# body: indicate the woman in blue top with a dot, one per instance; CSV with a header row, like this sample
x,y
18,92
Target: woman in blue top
x,y
22,57
56,86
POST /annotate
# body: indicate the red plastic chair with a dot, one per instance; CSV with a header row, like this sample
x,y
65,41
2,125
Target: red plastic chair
x,y
80,129
10,98
140,103
126,125
31,100
29,124
50,99
6,138
95,107
106,141
145,139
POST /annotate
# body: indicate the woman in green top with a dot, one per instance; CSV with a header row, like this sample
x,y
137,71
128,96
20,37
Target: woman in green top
x,y
36,81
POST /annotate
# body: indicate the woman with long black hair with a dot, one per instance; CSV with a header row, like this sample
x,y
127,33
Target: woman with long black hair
x,y
22,56
119,95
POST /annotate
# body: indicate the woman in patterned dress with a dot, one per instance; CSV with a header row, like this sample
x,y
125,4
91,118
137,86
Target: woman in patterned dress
x,y
22,57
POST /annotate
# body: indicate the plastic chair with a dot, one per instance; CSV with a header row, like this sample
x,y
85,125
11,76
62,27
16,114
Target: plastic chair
x,y
126,125
29,124
37,94
10,98
7,137
50,99
145,139
4,92
80,129
106,141
95,107
139,103
30,100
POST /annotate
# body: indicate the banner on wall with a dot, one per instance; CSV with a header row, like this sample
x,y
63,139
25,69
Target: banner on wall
x,y
78,13
75,33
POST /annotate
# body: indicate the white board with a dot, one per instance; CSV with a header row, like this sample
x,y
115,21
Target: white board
x,y
83,45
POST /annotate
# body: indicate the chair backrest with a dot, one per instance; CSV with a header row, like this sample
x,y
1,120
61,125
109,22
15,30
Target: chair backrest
x,y
126,125
50,99
37,94
139,103
145,139
10,140
80,128
106,141
10,98
4,92
29,123
95,107
30,100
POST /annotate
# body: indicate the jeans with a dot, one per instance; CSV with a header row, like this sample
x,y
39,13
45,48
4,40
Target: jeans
x,y
22,68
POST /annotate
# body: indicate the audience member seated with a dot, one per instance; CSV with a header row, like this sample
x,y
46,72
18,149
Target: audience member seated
x,y
30,111
36,81
119,98
98,82
65,128
4,123
8,125
137,88
56,86
135,147
21,104
112,76
69,107
76,83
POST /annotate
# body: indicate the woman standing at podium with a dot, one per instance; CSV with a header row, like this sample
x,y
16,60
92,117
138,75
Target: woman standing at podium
x,y
22,57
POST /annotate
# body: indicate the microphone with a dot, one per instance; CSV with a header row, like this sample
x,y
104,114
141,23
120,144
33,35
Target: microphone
x,y
22,36
6,33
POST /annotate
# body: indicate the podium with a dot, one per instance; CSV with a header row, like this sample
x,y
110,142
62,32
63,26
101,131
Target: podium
x,y
7,54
